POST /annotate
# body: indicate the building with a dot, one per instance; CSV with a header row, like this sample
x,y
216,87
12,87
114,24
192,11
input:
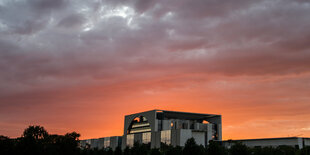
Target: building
x,y
175,128
171,127
105,142
297,142
159,126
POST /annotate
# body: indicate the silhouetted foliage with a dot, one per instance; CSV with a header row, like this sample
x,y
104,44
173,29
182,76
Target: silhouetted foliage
x,y
305,151
6,145
35,140
140,149
214,148
178,150
118,151
155,152
239,149
127,151
192,148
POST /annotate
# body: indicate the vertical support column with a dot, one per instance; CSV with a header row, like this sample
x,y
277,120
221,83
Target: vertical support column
x,y
209,133
300,143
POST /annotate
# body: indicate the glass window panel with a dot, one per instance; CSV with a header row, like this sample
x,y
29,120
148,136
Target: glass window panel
x,y
146,137
166,137
106,143
130,140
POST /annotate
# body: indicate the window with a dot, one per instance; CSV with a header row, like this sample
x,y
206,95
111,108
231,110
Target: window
x,y
106,142
130,140
166,137
146,137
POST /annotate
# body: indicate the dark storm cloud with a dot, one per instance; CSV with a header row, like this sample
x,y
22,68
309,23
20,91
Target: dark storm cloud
x,y
44,5
72,21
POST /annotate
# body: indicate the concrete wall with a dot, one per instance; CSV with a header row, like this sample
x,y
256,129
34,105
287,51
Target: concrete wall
x,y
100,143
184,135
307,141
199,138
155,139
166,124
94,143
267,142
115,142
209,133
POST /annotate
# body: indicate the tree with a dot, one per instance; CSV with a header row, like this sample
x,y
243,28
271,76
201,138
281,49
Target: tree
x,y
178,150
192,148
155,152
32,141
118,151
127,151
214,148
239,149
35,132
6,145
305,150
140,149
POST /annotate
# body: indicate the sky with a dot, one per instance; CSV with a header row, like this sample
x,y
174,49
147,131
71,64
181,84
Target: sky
x,y
81,65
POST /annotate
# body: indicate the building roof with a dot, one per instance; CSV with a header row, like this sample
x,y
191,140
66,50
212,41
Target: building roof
x,y
278,138
185,115
180,115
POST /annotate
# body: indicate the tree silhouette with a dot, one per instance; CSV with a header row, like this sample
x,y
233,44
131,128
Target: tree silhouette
x,y
239,149
6,145
214,148
155,152
118,151
192,148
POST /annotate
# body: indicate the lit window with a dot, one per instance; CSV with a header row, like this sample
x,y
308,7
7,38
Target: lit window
x,y
106,143
130,140
166,137
146,137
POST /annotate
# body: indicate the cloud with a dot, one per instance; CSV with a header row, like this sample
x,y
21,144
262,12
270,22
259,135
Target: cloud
x,y
58,50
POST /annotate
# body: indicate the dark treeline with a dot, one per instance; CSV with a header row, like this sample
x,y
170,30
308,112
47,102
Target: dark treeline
x,y
37,141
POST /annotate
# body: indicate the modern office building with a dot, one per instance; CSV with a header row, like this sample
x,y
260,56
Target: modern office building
x,y
171,127
159,126
175,128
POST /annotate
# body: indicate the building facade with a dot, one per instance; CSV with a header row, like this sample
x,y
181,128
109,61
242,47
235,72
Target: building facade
x,y
171,127
159,126
175,128
105,142
297,142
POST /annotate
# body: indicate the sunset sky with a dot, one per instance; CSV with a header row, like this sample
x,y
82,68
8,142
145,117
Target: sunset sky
x,y
81,65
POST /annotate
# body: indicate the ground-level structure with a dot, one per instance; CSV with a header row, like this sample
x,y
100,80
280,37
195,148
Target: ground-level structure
x,y
297,142
160,126
175,128
171,127
105,142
